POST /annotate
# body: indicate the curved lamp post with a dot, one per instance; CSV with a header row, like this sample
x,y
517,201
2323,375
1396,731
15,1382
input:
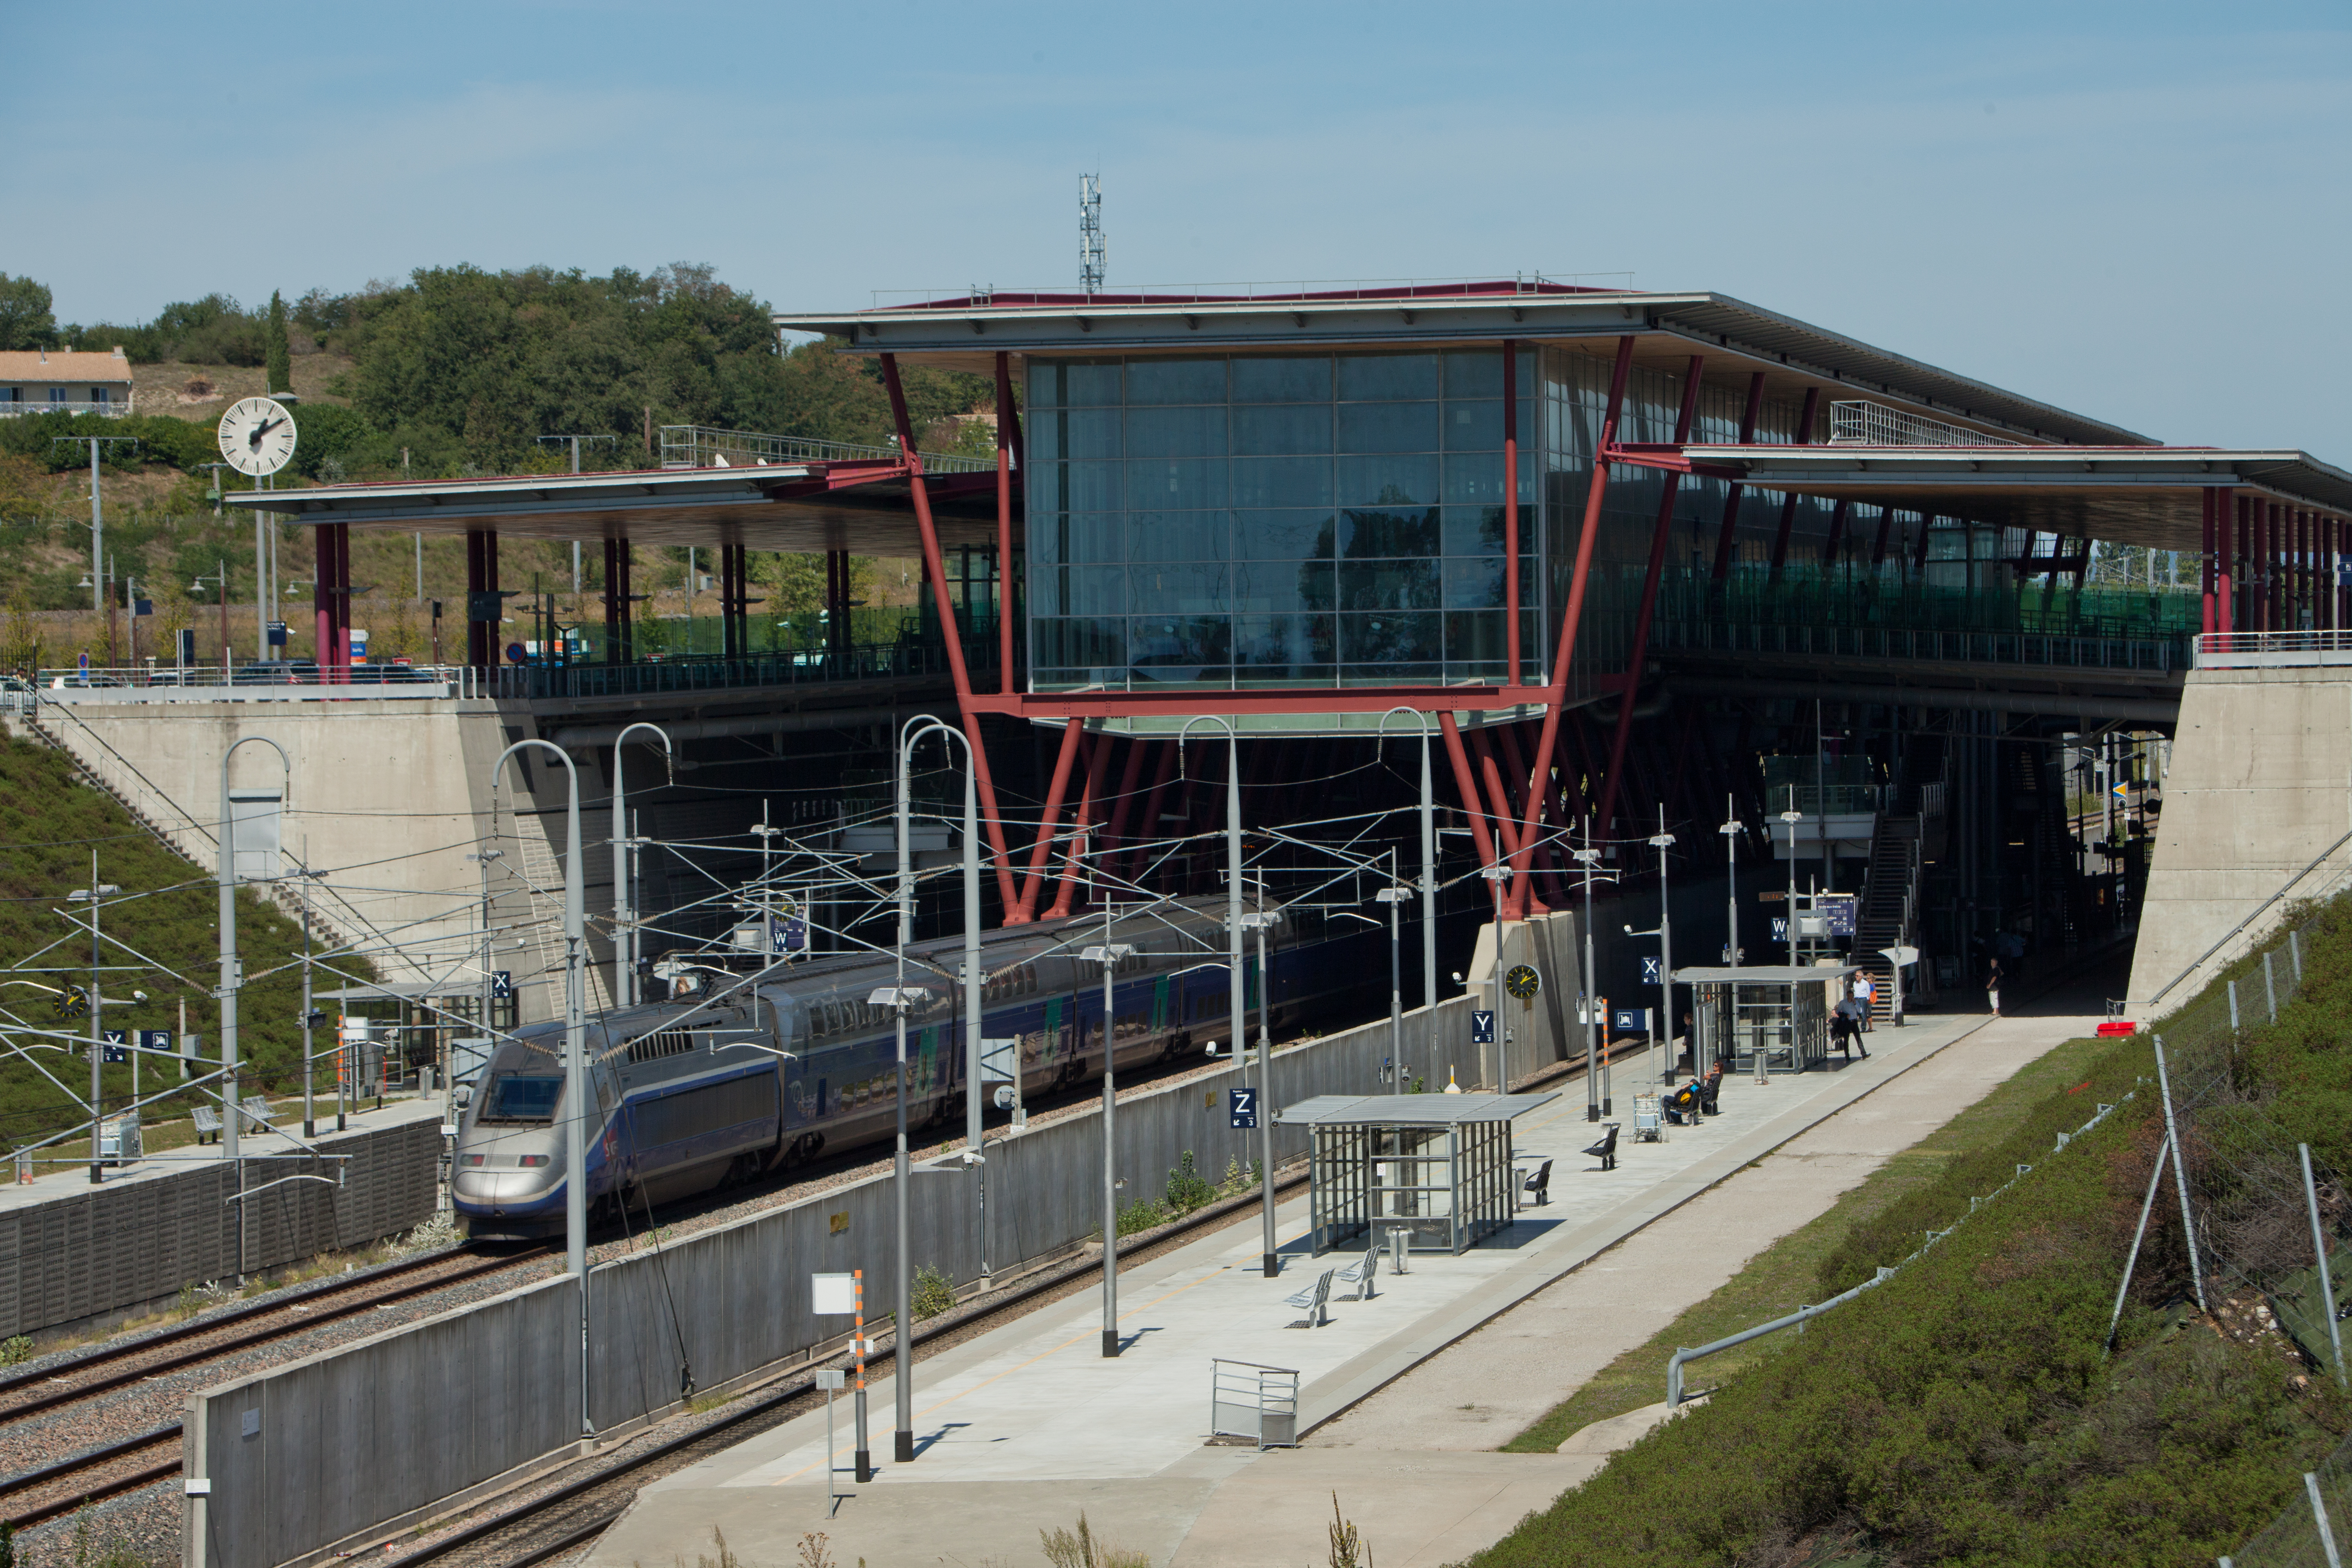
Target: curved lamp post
x,y
1271,1259
624,869
1428,871
575,1052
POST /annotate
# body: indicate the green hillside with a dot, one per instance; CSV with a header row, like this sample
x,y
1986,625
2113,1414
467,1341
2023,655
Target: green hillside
x,y
50,827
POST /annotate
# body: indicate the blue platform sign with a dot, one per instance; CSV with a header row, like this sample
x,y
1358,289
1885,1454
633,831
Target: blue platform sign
x,y
155,1040
501,984
1240,1108
789,936
114,1041
1650,970
1482,1028
1629,1020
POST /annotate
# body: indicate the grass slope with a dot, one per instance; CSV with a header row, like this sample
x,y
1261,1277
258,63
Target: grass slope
x,y
1963,1413
50,825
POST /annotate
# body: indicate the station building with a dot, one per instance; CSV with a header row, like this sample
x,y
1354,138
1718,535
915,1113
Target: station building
x,y
1632,557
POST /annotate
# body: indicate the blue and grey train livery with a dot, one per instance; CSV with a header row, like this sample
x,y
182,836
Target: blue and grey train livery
x,y
735,1074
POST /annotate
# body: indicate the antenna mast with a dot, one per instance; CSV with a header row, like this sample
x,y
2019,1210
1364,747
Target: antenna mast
x,y
1091,234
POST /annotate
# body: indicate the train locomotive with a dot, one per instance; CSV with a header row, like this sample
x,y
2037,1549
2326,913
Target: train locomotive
x,y
732,1076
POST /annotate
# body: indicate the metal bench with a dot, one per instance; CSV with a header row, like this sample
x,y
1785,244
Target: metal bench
x,y
1362,1272
208,1124
1538,1183
1314,1302
1606,1150
257,1111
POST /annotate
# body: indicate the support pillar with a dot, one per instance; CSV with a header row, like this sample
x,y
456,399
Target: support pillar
x,y
935,574
341,602
1018,913
1148,830
1089,807
1724,539
1511,511
322,613
1788,501
1471,809
1008,421
1114,845
1837,532
613,602
1886,526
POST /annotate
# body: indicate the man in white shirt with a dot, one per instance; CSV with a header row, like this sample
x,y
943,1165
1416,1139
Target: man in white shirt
x,y
1866,993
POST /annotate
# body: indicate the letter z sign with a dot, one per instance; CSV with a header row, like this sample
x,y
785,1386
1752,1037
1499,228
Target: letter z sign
x,y
1240,1108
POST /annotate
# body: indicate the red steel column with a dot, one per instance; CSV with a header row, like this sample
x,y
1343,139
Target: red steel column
x,y
627,558
613,600
2228,508
1115,840
1563,658
474,643
1006,419
1788,501
1471,809
321,601
1731,496
1149,830
1089,808
490,585
935,568
1660,536
1018,914
1837,532
1511,512
343,602
2270,535
1507,830
1523,891
2303,574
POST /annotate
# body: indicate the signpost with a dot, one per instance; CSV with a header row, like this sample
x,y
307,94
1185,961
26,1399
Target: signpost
x,y
1482,1027
1240,1108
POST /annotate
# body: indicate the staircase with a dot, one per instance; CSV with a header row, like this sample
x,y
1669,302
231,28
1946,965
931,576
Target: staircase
x,y
1888,915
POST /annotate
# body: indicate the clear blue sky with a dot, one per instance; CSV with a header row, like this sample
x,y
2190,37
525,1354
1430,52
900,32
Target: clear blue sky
x,y
2139,211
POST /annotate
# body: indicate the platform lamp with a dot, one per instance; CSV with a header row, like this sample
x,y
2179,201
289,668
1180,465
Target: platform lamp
x,y
1111,954
913,732
1663,841
898,998
1270,1260
95,896
576,1051
1428,870
232,974
1393,895
624,868
1596,1105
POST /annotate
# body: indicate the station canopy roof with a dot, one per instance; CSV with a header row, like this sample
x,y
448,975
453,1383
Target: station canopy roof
x,y
1409,1109
2040,468
801,507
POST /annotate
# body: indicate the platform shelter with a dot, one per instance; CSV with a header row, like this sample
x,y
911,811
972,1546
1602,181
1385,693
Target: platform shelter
x,y
1435,1167
1765,1018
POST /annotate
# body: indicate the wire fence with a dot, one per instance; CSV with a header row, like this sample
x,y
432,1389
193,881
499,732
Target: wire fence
x,y
2308,1531
2270,1214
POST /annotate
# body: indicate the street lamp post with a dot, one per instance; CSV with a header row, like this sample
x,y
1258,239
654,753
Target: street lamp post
x,y
1393,895
1792,817
1270,1260
1428,872
974,1027
625,866
576,1051
233,976
94,895
1663,841
1109,954
1596,1105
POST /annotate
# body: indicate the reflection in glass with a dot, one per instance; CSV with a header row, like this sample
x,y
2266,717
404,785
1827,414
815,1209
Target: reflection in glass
x,y
1176,380
1192,590
1282,379
1384,377
1265,535
1176,432
1369,532
1389,585
1282,585
1284,639
1179,536
1388,481
1178,647
1177,484
1388,428
1282,481
1282,429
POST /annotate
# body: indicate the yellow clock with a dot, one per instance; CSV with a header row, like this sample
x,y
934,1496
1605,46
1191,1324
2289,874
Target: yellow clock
x,y
1522,982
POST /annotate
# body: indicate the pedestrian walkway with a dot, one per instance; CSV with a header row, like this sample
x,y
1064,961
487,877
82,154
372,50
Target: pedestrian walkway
x,y
1019,1429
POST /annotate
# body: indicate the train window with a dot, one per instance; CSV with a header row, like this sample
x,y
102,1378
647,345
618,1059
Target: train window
x,y
521,1097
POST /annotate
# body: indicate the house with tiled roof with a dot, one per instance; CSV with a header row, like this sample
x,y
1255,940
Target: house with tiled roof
x,y
63,381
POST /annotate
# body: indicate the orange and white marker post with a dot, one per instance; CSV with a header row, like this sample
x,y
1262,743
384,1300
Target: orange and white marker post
x,y
864,1459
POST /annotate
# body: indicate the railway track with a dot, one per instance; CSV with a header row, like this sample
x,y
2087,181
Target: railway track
x,y
34,1497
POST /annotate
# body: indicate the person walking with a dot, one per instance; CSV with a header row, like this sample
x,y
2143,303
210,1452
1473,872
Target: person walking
x,y
1992,985
1865,992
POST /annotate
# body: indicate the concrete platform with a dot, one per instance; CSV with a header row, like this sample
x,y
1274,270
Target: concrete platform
x,y
1019,1429
57,1183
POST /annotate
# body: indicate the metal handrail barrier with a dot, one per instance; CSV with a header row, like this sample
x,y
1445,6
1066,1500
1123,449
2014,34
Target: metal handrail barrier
x,y
106,410
2272,650
1864,424
1798,1318
701,447
702,672
388,679
1254,1401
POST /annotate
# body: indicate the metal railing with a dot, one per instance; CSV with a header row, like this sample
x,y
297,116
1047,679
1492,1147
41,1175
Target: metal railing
x,y
19,410
1247,1399
1861,424
2272,650
207,683
2155,654
707,447
885,661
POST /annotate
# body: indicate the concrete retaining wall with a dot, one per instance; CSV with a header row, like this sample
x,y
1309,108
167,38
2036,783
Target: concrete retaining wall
x,y
448,1404
104,1252
2261,782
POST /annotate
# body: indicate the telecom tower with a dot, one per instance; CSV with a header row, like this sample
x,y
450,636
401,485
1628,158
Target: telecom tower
x,y
1091,234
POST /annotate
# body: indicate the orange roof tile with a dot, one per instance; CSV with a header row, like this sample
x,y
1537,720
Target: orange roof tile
x,y
63,365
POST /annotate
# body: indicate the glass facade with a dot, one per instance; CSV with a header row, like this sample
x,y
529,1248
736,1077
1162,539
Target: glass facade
x,y
1293,520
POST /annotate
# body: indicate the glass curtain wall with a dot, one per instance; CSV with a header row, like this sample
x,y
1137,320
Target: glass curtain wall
x,y
1291,520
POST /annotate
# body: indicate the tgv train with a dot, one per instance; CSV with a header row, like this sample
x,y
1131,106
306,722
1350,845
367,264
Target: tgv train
x,y
733,1076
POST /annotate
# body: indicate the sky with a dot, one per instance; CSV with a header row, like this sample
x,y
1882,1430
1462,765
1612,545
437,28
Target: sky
x,y
2139,212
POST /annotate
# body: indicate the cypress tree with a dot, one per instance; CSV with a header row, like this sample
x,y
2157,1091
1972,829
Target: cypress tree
x,y
281,364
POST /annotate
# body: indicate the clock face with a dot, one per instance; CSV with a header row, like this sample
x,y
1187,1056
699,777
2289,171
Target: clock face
x,y
257,436
1522,982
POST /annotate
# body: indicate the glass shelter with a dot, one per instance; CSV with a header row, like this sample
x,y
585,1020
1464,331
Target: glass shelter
x,y
1436,1167
1762,1018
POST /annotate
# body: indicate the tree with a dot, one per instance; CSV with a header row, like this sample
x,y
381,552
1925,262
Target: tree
x,y
281,364
27,319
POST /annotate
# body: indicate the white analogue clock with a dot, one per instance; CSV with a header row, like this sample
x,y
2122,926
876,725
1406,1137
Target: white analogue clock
x,y
257,436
